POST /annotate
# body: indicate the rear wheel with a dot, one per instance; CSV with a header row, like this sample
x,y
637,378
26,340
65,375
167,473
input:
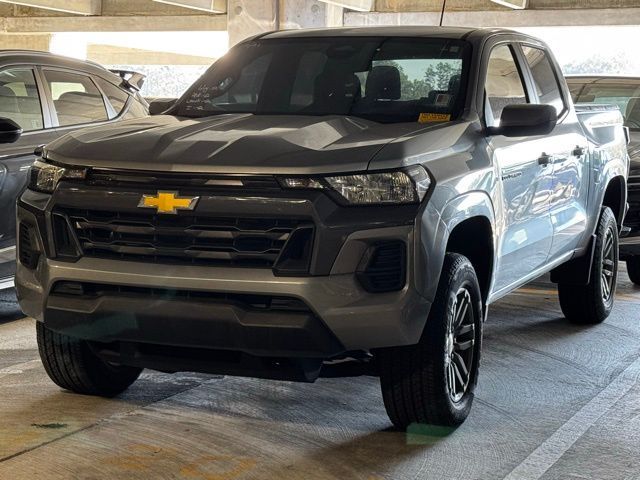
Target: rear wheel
x,y
592,303
433,382
633,269
72,365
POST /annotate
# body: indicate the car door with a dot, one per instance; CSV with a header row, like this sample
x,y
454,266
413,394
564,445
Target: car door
x,y
20,100
568,151
524,176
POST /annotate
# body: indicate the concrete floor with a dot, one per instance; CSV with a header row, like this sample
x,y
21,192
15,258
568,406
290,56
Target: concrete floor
x,y
555,401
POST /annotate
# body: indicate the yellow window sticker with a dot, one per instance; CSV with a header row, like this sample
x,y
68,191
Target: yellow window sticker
x,y
434,117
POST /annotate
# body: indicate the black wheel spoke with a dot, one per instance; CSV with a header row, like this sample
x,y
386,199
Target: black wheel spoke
x,y
462,346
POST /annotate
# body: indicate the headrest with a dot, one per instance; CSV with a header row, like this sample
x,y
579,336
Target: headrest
x,y
8,99
383,83
79,97
6,92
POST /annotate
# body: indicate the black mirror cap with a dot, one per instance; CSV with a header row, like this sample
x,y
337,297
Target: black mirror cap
x,y
526,120
10,131
159,106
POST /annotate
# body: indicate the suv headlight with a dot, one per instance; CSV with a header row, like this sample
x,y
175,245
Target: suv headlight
x,y
44,177
408,185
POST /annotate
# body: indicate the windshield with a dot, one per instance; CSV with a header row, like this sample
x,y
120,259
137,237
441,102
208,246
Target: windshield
x,y
385,80
626,96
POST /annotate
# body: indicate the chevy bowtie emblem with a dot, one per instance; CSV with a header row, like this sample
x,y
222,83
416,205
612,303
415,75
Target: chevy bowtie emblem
x,y
168,202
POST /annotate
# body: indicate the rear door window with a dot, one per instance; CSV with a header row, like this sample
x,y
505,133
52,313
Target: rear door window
x,y
76,99
19,98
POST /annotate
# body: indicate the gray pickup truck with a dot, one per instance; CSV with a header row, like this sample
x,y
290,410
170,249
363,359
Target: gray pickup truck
x,y
325,202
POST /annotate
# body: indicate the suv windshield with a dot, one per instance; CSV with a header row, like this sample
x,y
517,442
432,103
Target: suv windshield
x,y
381,79
625,95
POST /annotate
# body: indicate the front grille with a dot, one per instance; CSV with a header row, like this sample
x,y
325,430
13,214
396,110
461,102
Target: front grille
x,y
386,268
183,238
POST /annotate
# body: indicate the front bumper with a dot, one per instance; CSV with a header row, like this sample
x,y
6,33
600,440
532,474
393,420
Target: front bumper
x,y
201,307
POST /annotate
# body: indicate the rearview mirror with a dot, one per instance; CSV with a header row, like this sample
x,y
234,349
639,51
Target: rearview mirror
x,y
161,105
10,131
525,120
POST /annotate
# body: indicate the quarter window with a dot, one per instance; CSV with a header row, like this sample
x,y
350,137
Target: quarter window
x,y
19,98
117,98
503,85
76,98
544,78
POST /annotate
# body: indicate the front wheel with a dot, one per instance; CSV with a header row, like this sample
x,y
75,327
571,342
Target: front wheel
x,y
592,303
433,382
72,365
633,269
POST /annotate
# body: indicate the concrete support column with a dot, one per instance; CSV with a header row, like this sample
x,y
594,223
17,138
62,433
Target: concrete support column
x,y
13,41
251,17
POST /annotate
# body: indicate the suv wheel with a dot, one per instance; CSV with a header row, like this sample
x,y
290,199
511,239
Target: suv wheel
x,y
72,365
592,303
433,382
633,269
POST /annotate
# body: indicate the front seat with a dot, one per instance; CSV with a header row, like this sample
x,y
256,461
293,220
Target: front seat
x,y
383,83
8,103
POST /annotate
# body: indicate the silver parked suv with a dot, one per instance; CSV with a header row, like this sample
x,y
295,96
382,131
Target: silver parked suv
x,y
322,200
42,97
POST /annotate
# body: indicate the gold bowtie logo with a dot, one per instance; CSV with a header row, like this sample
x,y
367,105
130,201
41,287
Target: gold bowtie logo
x,y
168,202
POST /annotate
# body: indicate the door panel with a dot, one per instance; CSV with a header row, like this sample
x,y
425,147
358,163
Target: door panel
x,y
525,177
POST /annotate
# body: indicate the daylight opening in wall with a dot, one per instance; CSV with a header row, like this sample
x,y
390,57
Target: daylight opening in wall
x,y
171,60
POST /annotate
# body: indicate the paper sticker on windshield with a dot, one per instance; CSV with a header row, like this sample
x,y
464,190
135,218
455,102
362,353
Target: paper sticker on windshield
x,y
434,117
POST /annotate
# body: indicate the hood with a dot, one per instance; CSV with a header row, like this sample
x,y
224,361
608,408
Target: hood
x,y
230,143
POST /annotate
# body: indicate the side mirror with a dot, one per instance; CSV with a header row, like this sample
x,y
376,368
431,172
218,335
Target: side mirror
x,y
10,131
160,105
525,120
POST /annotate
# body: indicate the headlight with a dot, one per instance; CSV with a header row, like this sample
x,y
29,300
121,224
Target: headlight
x,y
408,185
44,177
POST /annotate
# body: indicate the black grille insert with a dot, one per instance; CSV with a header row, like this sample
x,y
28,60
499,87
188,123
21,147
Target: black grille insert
x,y
183,238
386,267
246,301
27,251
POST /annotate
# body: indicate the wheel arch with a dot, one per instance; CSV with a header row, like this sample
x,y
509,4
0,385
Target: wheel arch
x,y
470,231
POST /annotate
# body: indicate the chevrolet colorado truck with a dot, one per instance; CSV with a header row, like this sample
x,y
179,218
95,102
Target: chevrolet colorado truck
x,y
325,199
624,92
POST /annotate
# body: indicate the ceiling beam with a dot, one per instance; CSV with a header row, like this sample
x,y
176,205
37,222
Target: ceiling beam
x,y
154,23
210,6
77,7
508,18
357,5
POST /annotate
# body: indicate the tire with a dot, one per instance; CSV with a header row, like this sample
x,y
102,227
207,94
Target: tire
x,y
72,365
415,379
633,269
592,303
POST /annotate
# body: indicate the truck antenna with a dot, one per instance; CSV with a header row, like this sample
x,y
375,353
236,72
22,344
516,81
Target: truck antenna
x,y
444,5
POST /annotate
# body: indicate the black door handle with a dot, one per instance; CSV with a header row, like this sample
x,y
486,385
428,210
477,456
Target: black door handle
x,y
578,151
544,160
